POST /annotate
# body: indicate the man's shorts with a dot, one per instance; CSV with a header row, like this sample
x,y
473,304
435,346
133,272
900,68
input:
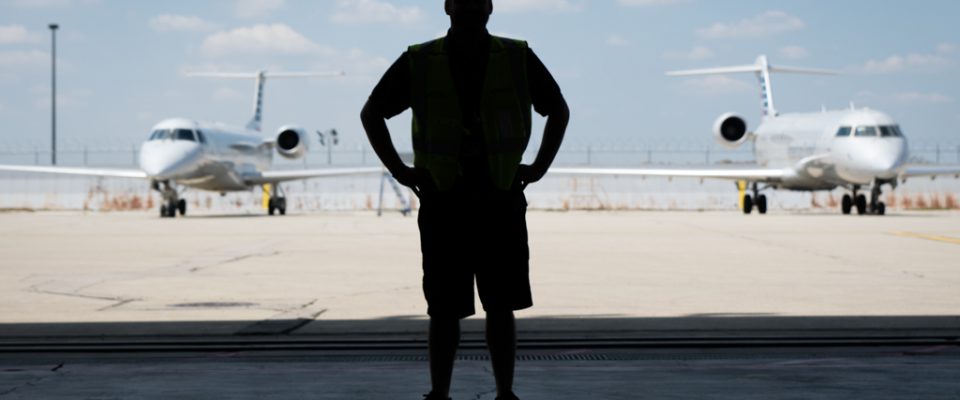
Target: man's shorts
x,y
467,235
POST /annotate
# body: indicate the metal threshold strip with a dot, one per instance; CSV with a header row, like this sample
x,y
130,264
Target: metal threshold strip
x,y
255,344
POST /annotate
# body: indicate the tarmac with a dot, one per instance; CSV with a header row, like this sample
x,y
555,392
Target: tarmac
x,y
627,305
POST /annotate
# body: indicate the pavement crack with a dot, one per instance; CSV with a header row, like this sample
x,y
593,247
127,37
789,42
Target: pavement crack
x,y
234,259
55,369
119,301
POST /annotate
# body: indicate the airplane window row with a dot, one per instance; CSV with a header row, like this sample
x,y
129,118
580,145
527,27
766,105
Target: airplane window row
x,y
871,131
178,134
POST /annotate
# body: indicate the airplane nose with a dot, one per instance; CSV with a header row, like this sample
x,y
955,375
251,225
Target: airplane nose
x,y
167,160
885,159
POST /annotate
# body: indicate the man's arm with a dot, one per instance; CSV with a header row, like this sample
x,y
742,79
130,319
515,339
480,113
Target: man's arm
x,y
549,102
379,136
390,97
553,132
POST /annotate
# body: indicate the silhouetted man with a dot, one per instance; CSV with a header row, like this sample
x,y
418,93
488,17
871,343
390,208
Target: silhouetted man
x,y
471,95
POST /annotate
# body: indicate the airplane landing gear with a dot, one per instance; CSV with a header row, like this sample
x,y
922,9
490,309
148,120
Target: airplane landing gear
x,y
862,204
277,202
171,200
876,206
757,200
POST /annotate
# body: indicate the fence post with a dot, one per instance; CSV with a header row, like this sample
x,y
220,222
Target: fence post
x,y
36,156
649,156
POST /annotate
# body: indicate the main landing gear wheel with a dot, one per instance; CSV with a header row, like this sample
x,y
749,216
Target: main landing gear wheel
x,y
762,204
182,207
747,204
846,205
861,204
278,204
881,208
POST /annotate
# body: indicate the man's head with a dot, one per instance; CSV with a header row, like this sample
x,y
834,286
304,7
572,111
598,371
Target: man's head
x,y
468,15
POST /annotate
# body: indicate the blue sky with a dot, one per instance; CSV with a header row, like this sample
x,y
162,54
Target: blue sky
x,y
121,62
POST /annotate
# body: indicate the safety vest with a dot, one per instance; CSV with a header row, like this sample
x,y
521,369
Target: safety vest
x,y
438,129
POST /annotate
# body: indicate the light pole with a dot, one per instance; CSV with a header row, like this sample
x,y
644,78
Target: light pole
x,y
53,94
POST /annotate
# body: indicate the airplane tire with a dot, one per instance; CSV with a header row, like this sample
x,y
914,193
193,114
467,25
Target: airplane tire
x,y
282,206
182,207
861,204
846,204
747,204
762,204
163,211
881,208
270,207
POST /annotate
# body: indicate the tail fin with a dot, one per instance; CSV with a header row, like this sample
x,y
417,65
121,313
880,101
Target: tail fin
x,y
261,78
762,70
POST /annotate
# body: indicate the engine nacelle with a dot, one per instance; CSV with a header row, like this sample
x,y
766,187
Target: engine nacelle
x,y
292,142
731,130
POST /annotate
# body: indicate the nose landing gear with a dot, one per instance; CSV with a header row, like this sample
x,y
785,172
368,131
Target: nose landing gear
x,y
172,203
873,206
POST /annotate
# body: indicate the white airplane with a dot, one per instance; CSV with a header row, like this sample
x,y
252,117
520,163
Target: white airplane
x,y
214,156
855,149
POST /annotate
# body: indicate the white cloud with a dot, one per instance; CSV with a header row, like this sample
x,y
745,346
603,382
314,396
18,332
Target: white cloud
x,y
716,84
695,54
898,63
617,41
256,8
258,40
24,59
15,34
947,48
180,23
515,6
375,11
644,3
794,52
766,24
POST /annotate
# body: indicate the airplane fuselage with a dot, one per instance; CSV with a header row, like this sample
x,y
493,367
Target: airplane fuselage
x,y
831,148
203,156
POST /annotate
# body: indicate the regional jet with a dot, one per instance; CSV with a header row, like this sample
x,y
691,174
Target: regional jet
x,y
858,149
212,156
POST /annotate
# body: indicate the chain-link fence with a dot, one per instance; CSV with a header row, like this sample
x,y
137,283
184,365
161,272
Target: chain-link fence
x,y
361,154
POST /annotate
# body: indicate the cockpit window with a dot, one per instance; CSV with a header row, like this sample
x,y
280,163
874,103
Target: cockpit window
x,y
160,134
896,129
866,131
200,135
185,134
843,131
887,131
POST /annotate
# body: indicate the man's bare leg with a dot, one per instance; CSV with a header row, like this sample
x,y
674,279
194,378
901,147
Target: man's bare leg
x,y
444,338
502,342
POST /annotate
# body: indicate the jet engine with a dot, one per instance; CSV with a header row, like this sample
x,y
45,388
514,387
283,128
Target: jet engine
x,y
731,130
292,142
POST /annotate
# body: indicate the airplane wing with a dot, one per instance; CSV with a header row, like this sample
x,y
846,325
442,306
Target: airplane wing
x,y
751,173
296,174
930,170
101,172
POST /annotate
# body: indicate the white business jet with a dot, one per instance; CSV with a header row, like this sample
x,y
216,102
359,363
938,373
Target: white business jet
x,y
215,157
857,149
